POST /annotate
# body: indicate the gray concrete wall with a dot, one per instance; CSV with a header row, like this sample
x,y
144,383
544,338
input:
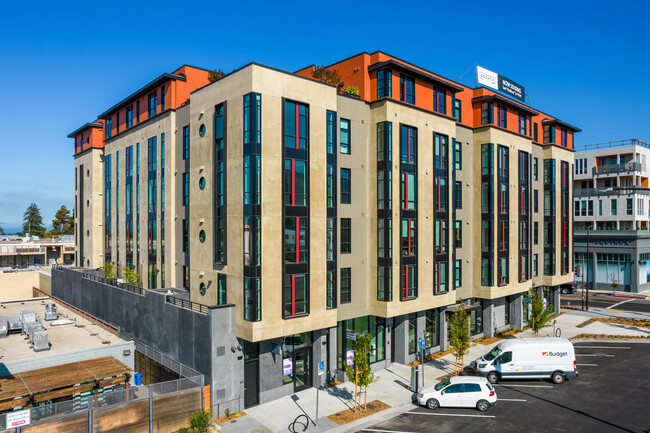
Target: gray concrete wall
x,y
184,335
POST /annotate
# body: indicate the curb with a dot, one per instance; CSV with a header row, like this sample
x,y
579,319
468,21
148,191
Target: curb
x,y
384,415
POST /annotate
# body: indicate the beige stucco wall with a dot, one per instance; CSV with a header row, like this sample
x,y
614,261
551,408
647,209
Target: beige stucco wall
x,y
93,207
18,285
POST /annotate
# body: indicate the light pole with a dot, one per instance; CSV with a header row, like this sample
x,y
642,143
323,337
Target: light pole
x,y
588,265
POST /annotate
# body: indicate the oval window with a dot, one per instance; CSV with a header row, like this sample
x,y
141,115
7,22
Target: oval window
x,y
202,289
202,183
202,236
202,130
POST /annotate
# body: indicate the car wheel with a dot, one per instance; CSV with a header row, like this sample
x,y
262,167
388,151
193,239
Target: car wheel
x,y
493,377
482,405
433,404
557,377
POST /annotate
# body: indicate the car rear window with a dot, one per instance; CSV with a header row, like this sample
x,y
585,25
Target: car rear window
x,y
489,386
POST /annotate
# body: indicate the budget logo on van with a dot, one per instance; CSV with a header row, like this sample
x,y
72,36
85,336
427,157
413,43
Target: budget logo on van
x,y
560,354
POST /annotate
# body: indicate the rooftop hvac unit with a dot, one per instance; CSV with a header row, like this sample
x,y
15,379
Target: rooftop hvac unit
x,y
14,323
40,340
31,328
26,316
50,312
4,327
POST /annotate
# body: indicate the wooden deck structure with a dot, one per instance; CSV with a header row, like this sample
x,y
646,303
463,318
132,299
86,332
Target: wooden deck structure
x,y
36,386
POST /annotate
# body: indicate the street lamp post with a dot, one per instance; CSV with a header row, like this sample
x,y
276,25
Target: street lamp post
x,y
588,265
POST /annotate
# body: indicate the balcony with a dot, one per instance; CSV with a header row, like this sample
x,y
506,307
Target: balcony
x,y
616,168
590,192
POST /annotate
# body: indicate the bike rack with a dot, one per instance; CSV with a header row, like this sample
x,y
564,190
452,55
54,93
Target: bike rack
x,y
305,424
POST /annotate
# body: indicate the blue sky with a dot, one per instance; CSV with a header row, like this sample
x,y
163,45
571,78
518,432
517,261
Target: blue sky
x,y
585,62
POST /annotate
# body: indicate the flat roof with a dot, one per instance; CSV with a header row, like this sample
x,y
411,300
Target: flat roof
x,y
80,335
84,127
423,75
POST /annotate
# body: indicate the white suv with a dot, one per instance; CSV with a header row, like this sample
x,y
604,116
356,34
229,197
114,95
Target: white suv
x,y
459,392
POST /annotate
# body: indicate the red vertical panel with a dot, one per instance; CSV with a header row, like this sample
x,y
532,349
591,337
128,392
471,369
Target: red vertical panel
x,y
293,295
297,240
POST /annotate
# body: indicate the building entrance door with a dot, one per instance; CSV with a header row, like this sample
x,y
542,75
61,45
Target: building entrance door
x,y
251,373
302,369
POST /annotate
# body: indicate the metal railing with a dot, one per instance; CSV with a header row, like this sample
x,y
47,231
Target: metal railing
x,y
113,282
610,144
616,168
110,398
588,192
183,303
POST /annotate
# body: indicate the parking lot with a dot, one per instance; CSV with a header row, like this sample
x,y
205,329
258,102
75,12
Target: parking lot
x,y
610,394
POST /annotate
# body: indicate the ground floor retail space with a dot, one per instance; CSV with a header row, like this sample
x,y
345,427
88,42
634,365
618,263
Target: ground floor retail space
x,y
280,367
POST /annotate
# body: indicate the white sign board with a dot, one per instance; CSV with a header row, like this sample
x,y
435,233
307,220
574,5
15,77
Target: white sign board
x,y
487,77
18,418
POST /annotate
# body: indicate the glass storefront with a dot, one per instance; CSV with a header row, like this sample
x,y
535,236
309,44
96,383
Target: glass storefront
x,y
475,319
413,332
432,328
296,351
348,330
547,294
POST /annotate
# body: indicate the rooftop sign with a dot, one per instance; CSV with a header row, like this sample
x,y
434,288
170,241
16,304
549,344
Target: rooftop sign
x,y
500,83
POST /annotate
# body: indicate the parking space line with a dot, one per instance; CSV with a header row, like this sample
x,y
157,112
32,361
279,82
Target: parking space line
x,y
601,347
385,431
525,386
595,354
450,414
511,399
588,365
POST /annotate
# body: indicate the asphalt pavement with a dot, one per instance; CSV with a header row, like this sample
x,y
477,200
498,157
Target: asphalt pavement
x,y
616,303
609,395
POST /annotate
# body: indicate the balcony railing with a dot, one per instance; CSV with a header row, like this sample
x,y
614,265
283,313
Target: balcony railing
x,y
616,168
610,144
590,192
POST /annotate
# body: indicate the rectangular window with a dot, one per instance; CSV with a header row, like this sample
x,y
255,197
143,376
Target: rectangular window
x,y
408,191
458,195
458,234
384,283
186,236
129,116
384,141
222,293
252,179
502,116
252,240
591,208
186,189
458,274
535,169
346,285
331,185
413,326
295,182
535,232
137,111
536,200
384,83
458,154
331,132
108,129
252,299
186,278
384,238
549,134
331,290
534,265
613,207
456,108
295,240
600,208
409,237
535,132
407,90
629,206
522,124
219,184
331,239
346,235
186,142
440,237
440,101
346,186
487,109
408,282
162,99
296,295
152,195
563,138
153,103
295,125
409,145
345,136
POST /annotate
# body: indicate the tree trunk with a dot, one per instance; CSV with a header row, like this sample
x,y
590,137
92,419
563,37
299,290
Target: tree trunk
x,y
365,397
356,377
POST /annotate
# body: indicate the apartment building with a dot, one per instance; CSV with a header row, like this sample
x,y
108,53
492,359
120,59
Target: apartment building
x,y
324,216
18,252
612,202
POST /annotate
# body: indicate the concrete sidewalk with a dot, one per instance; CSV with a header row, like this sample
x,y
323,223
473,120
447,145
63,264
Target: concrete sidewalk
x,y
392,387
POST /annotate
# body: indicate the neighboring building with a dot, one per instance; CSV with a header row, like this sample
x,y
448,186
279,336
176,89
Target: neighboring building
x,y
612,200
322,216
18,252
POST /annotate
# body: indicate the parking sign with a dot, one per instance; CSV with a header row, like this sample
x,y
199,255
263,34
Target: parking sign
x,y
421,343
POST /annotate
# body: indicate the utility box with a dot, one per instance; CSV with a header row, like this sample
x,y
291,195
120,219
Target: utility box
x,y
50,312
40,340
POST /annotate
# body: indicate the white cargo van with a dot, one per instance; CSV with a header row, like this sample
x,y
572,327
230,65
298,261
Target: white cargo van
x,y
528,358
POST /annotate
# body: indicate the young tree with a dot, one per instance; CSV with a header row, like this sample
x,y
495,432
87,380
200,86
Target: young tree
x,y
63,223
613,281
539,317
110,270
2,232
200,422
215,74
459,336
360,372
33,221
329,76
131,276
